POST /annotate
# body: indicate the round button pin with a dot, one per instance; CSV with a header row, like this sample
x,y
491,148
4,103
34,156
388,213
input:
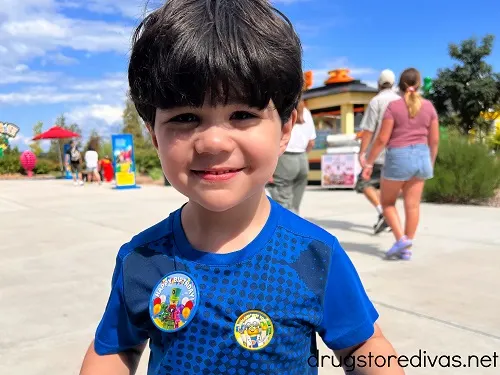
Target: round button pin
x,y
174,302
254,330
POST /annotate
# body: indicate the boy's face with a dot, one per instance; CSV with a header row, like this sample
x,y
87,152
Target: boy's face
x,y
220,156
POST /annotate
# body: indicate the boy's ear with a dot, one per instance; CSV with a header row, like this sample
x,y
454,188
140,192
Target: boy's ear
x,y
152,134
286,131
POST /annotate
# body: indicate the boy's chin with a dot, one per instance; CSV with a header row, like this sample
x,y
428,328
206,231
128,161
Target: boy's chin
x,y
221,201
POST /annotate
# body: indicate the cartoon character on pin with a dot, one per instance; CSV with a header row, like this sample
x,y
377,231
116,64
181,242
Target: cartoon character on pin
x,y
169,313
254,333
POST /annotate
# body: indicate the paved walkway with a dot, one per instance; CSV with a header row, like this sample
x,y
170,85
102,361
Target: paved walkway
x,y
59,244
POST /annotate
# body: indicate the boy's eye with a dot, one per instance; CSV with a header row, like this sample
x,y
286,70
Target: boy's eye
x,y
185,117
242,115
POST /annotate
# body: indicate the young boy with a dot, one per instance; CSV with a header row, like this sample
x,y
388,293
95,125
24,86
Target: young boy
x,y
231,282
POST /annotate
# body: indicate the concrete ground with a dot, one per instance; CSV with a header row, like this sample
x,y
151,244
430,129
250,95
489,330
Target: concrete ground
x,y
59,244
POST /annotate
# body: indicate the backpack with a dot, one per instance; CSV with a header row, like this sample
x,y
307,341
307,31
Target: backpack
x,y
74,155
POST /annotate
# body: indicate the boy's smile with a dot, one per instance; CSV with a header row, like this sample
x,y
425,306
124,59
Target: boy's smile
x,y
220,156
217,174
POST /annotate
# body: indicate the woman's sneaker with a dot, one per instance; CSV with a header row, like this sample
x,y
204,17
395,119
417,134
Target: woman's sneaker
x,y
399,247
406,254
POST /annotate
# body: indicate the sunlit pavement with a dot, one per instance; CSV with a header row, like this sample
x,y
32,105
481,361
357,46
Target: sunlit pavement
x,y
59,244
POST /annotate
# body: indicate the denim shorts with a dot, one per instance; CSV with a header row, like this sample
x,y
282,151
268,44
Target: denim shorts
x,y
404,163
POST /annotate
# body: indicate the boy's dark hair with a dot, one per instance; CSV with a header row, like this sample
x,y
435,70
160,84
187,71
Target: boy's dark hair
x,y
242,51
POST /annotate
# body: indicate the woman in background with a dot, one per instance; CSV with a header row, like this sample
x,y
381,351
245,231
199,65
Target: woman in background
x,y
291,174
410,132
92,163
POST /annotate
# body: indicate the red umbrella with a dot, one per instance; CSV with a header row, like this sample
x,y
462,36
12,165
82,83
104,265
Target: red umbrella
x,y
56,132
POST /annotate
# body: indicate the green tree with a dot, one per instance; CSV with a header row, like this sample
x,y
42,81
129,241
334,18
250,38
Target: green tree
x,y
470,87
132,124
76,129
35,145
106,149
93,141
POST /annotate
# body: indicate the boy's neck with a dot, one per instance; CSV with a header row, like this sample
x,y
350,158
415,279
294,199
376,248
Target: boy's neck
x,y
228,231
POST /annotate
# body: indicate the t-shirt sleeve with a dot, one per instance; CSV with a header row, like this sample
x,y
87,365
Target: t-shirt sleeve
x,y
388,114
312,128
348,314
115,332
369,121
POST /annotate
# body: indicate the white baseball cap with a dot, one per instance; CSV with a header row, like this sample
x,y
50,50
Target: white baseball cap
x,y
387,76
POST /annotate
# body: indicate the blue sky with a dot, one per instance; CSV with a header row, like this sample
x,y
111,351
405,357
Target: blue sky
x,y
70,56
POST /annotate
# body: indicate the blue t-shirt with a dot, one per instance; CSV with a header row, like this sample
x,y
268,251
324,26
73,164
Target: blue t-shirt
x,y
258,309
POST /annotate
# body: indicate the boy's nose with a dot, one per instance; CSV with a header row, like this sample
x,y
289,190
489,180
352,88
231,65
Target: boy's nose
x,y
214,140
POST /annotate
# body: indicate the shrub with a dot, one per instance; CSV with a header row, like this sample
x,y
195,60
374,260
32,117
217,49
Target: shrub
x,y
45,166
10,164
494,142
147,160
464,173
156,174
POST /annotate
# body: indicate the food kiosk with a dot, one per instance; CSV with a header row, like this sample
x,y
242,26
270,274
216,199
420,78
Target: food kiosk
x,y
337,108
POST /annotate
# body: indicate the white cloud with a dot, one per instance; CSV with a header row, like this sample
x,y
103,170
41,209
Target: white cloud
x,y
32,97
109,114
110,90
32,30
37,36
59,59
133,9
116,82
21,73
21,141
37,29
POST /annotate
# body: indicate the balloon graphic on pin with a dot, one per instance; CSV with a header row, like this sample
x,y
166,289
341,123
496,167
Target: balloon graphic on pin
x,y
156,309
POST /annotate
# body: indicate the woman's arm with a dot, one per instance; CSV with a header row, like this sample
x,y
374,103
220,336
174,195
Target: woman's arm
x,y
381,141
433,139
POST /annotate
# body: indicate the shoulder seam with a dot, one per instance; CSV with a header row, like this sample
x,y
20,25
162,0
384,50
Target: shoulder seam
x,y
142,243
334,240
307,236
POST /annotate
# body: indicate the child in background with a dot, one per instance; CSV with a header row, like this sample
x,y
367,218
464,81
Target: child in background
x,y
231,282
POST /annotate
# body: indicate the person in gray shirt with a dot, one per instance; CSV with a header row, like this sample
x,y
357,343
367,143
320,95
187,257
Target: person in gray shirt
x,y
371,127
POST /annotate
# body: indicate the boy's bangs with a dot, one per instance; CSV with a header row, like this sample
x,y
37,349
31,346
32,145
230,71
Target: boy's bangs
x,y
193,80
215,53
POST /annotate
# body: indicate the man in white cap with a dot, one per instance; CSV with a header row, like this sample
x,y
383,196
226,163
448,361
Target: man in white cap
x,y
370,126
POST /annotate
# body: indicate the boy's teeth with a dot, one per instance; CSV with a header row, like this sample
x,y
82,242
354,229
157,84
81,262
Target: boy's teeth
x,y
219,172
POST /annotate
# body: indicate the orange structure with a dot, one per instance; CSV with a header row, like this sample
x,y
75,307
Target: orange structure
x,y
341,98
338,76
308,79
